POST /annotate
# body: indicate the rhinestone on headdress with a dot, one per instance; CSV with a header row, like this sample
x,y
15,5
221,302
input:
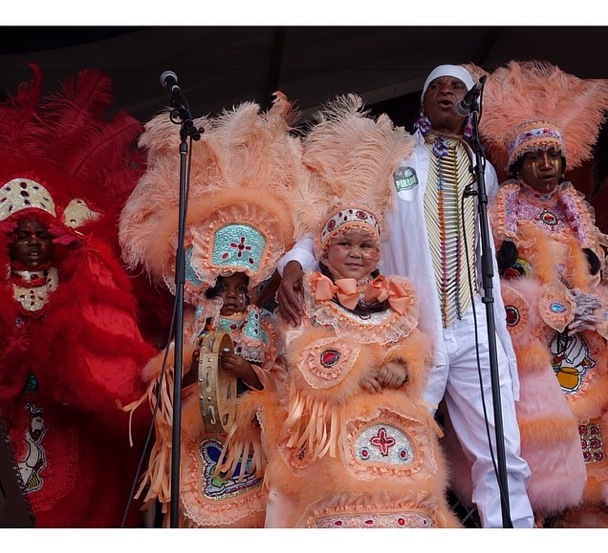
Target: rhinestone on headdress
x,y
351,217
20,193
534,135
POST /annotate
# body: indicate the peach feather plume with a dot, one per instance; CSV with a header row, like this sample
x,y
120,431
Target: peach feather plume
x,y
350,158
539,91
244,168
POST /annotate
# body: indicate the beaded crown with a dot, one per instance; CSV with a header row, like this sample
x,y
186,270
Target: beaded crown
x,y
533,105
350,158
243,173
62,156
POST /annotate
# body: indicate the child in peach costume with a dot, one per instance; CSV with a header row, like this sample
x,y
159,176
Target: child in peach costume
x,y
347,442
539,123
239,223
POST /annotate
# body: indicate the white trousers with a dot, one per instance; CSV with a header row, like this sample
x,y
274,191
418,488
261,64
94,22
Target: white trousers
x,y
463,399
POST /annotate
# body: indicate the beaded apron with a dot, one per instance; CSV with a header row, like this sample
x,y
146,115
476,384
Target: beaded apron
x,y
452,243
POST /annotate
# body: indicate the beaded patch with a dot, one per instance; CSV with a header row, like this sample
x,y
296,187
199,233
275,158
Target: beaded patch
x,y
388,444
35,298
592,442
555,306
237,245
314,364
35,461
382,443
571,360
77,213
375,520
517,311
219,487
248,335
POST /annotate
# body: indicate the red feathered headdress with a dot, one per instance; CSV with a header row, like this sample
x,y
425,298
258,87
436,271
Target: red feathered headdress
x,y
62,156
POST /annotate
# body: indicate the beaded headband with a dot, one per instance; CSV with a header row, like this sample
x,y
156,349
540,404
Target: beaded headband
x,y
534,135
18,194
347,219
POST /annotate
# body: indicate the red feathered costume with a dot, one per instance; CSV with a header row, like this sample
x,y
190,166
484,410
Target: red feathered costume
x,y
71,350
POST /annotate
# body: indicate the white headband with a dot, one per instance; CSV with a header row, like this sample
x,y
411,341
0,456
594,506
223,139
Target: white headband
x,y
449,71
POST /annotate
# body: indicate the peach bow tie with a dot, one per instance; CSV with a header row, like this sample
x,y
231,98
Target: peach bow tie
x,y
345,290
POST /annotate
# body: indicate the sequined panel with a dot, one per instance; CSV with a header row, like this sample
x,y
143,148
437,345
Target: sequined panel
x,y
382,443
375,520
191,275
571,361
592,442
238,245
216,487
386,444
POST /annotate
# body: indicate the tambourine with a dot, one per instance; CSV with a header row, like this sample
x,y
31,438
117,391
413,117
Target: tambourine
x,y
216,388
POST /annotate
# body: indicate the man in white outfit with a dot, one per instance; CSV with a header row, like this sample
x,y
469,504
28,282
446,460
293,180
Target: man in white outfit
x,y
433,239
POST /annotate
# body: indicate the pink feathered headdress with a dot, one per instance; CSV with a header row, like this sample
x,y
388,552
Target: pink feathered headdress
x,y
534,105
350,158
243,175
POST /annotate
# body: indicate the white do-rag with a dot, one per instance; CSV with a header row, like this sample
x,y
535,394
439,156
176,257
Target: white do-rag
x,y
449,71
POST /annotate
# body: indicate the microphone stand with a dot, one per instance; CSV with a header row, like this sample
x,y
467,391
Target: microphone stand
x,y
180,115
487,270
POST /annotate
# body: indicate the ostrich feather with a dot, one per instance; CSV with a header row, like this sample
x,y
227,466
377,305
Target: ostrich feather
x,y
350,157
538,90
247,161
17,113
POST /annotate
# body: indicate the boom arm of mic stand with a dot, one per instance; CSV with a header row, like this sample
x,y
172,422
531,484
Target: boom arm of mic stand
x,y
487,268
179,113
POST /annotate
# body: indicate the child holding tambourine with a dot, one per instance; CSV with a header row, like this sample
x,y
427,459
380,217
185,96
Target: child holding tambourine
x,y
239,223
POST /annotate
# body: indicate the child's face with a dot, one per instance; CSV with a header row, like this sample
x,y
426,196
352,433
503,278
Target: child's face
x,y
353,254
233,291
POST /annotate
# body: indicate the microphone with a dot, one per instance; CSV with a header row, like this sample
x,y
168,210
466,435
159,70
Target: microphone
x,y
168,79
465,105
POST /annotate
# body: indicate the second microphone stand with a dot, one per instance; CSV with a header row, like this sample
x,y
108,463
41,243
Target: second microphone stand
x,y
180,114
487,271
